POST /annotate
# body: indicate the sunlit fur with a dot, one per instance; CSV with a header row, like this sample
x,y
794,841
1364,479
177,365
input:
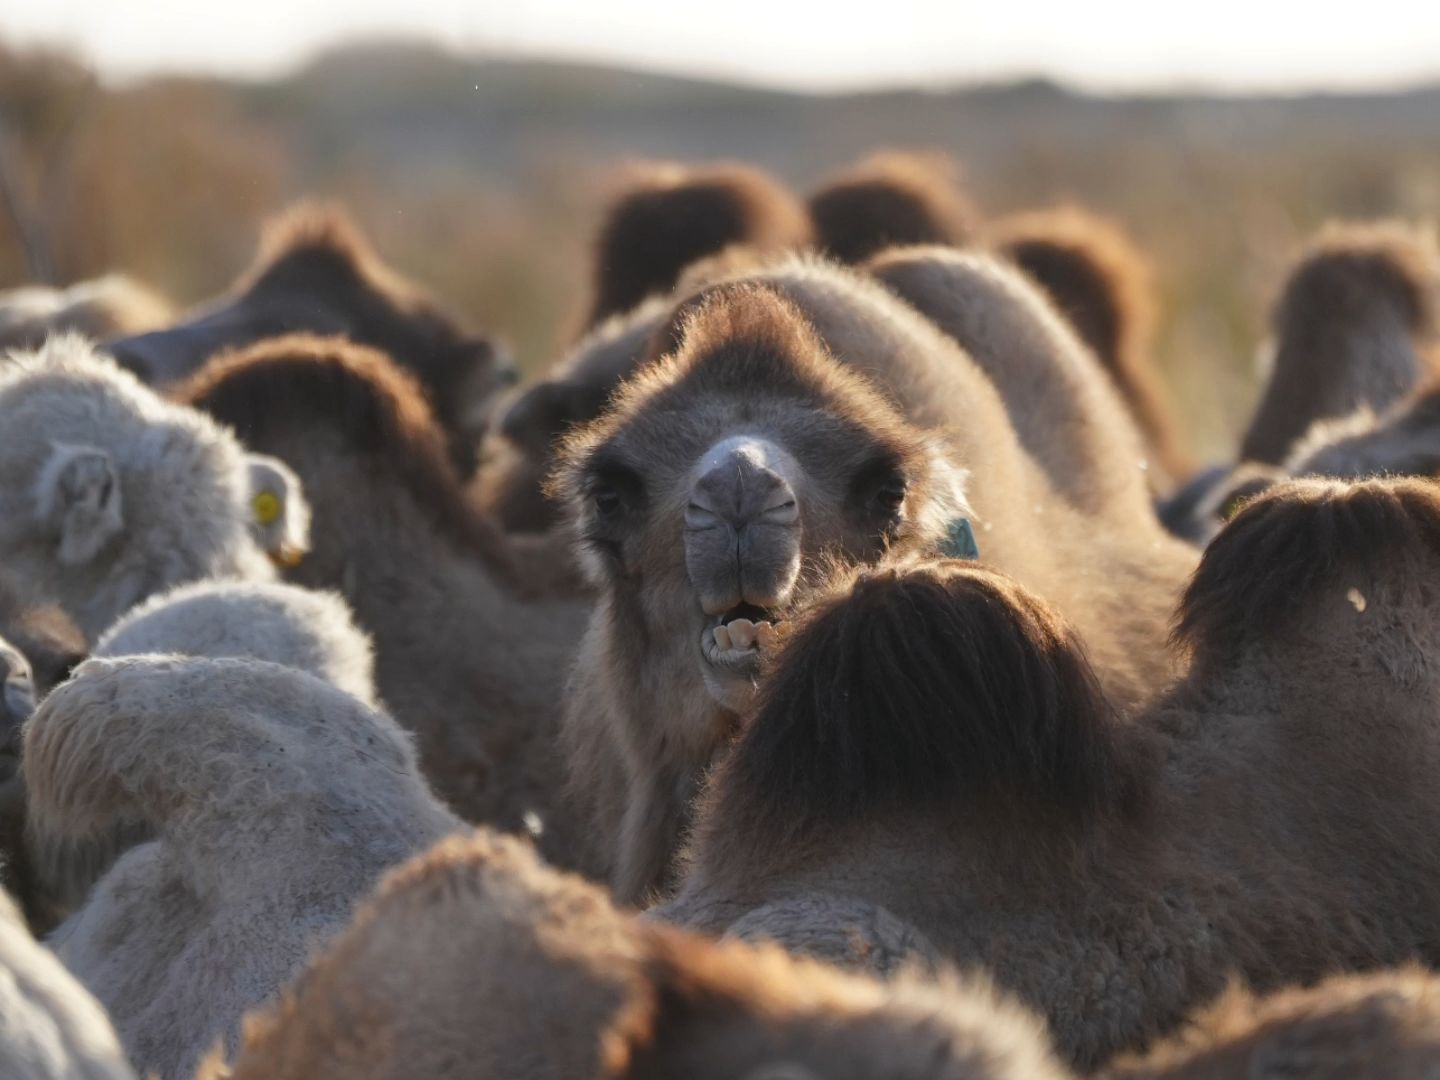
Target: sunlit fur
x,y
277,800
475,957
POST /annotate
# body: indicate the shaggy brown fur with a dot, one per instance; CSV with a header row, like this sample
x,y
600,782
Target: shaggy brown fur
x,y
100,308
1101,282
316,272
1267,818
1065,410
833,752
815,360
476,957
669,215
467,658
1351,330
890,199
1384,1026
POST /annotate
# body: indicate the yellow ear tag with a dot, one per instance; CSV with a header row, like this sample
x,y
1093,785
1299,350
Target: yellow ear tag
x,y
266,508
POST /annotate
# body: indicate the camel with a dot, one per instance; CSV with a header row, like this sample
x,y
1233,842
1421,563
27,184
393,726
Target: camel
x,y
890,199
1355,327
666,216
1356,337
1067,413
109,493
1379,1026
808,416
53,1028
1101,282
316,272
467,656
281,624
100,308
475,958
277,801
932,745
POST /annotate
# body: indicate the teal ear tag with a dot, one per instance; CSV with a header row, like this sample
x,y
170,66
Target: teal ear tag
x,y
960,541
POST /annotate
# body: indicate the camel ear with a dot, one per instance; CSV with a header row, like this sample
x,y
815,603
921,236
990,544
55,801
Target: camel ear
x,y
78,494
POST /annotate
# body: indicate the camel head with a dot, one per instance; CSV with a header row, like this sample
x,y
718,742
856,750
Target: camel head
x,y
728,475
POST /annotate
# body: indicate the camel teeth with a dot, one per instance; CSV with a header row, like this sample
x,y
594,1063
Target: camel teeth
x,y
742,633
722,637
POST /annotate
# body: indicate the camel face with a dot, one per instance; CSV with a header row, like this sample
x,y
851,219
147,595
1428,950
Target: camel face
x,y
725,480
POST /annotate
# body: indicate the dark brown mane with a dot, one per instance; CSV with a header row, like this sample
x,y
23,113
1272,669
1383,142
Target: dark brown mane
x,y
892,199
300,382
1099,280
938,685
1301,537
670,215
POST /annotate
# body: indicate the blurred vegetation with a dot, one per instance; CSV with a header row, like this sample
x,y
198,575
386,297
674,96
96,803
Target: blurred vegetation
x,y
483,177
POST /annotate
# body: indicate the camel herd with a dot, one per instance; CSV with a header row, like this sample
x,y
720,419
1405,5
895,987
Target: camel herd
x,y
832,667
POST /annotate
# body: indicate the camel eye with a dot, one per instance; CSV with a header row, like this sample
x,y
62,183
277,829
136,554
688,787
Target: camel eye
x,y
891,497
607,502
614,490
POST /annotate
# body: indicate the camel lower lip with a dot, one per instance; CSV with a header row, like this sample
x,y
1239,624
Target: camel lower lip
x,y
741,663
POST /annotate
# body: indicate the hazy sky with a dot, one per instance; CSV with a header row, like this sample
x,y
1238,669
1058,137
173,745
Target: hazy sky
x,y
1239,44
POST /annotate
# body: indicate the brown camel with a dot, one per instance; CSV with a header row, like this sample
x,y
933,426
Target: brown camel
x,y
1351,330
317,273
932,746
1100,280
888,199
476,959
465,657
773,434
1356,336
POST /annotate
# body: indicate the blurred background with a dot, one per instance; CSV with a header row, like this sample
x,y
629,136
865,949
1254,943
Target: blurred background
x,y
476,145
